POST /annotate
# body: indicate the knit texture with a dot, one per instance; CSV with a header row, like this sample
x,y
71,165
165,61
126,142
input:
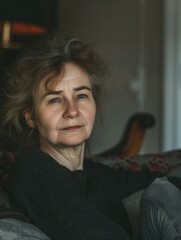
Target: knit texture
x,y
74,205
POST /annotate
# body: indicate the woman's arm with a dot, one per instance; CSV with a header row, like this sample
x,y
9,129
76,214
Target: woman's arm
x,y
120,181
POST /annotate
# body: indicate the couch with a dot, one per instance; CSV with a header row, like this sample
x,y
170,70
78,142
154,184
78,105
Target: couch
x,y
14,225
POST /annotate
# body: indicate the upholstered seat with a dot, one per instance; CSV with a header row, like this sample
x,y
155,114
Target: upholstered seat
x,y
13,229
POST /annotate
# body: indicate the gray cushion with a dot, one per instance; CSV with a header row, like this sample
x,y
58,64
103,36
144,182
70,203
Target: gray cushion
x,y
13,229
132,205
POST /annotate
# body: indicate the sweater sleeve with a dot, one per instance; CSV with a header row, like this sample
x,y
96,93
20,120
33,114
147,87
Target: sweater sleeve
x,y
121,182
59,210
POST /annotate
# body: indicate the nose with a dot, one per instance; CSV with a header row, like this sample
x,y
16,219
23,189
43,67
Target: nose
x,y
71,110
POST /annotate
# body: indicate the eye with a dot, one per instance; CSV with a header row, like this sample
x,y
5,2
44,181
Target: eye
x,y
82,96
54,100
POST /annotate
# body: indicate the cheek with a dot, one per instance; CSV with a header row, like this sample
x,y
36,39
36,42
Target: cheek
x,y
44,120
91,115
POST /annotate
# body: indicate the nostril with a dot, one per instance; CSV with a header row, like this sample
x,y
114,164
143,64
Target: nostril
x,y
71,110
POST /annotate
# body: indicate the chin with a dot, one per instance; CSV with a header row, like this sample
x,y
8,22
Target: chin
x,y
73,142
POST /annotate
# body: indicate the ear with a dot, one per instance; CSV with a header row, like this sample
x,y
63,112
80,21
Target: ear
x,y
29,118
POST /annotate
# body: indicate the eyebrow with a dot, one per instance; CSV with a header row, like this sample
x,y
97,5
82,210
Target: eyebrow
x,y
58,92
82,88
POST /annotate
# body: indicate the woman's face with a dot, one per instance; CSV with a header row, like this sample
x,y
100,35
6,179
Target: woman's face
x,y
65,115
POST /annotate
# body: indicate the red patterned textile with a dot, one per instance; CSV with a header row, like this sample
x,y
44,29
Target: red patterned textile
x,y
165,162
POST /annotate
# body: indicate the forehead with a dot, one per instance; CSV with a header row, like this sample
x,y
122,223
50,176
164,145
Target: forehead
x,y
72,71
71,75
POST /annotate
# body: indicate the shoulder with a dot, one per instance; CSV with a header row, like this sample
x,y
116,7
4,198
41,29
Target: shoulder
x,y
35,157
32,154
35,170
36,162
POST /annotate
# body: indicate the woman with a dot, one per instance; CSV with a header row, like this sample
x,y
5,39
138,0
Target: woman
x,y
52,99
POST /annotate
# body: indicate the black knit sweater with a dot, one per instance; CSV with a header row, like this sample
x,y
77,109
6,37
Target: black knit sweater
x,y
74,205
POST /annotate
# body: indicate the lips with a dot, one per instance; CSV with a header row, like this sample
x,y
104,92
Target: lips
x,y
72,127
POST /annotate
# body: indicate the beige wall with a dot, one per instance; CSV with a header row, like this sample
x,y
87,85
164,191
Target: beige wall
x,y
127,33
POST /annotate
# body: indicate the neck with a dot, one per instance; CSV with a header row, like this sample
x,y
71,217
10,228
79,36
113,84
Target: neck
x,y
70,157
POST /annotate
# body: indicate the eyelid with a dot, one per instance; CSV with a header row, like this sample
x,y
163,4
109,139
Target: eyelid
x,y
54,99
82,94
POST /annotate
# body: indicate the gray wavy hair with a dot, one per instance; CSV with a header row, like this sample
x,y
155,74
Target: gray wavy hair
x,y
44,61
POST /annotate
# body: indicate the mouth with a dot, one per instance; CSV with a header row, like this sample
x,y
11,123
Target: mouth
x,y
72,128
